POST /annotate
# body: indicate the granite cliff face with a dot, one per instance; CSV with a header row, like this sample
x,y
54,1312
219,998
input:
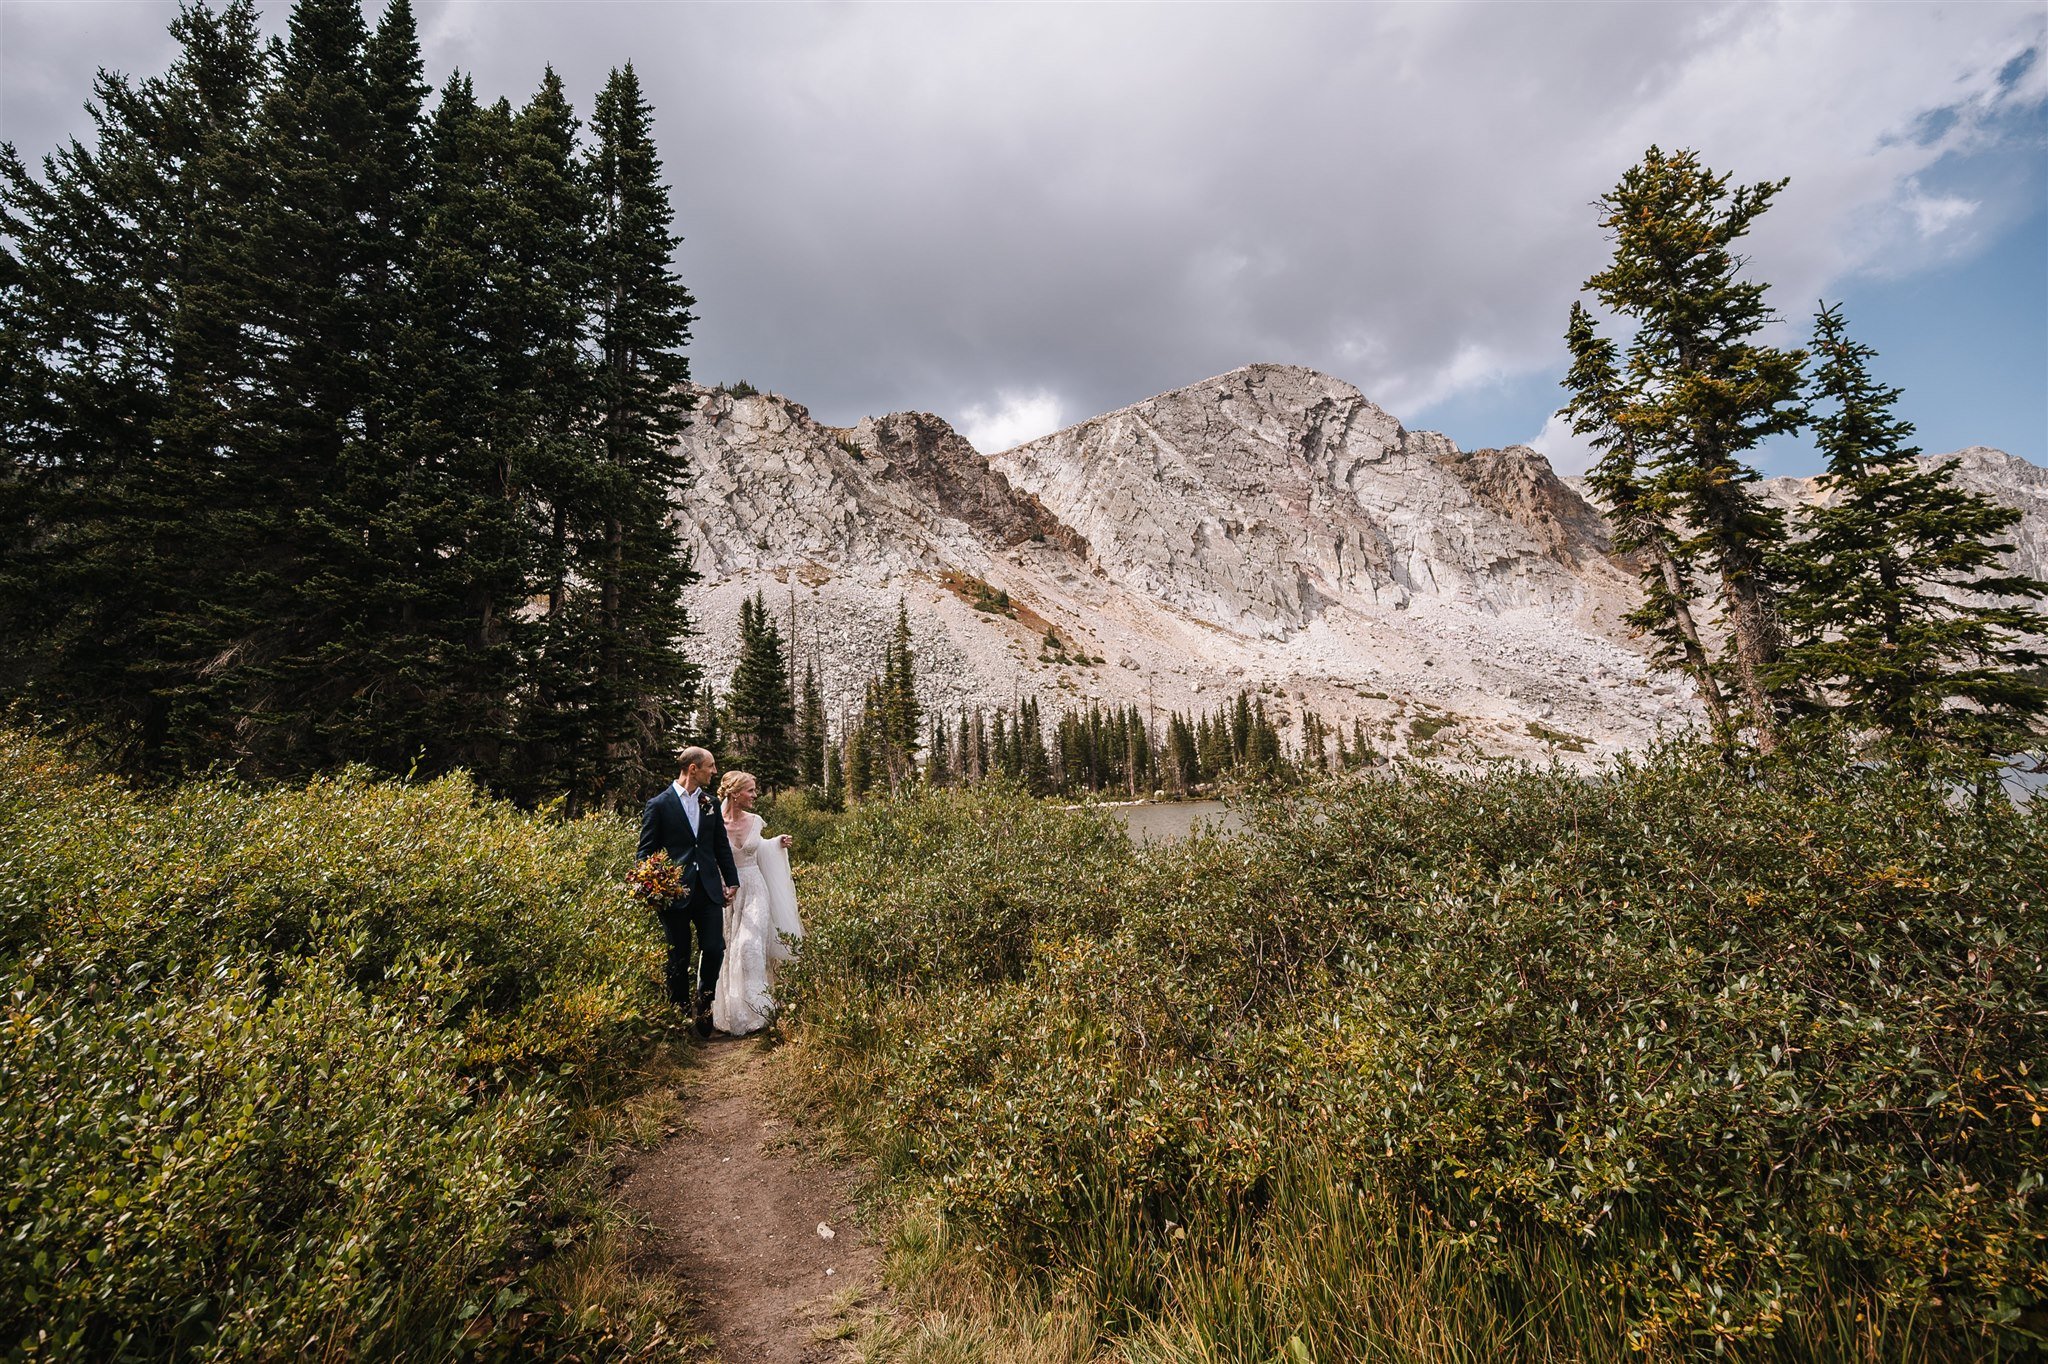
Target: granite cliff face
x,y
1269,529
1259,498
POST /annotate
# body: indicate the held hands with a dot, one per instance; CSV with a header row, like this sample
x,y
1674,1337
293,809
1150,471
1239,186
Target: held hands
x,y
731,894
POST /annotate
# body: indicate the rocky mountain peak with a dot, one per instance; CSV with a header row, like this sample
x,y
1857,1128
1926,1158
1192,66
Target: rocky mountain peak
x,y
1521,486
1267,529
1262,495
926,456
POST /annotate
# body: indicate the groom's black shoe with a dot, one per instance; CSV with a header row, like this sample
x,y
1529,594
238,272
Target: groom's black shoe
x,y
703,1016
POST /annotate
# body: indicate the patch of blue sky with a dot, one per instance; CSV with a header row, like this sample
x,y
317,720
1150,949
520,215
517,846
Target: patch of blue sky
x,y
1958,313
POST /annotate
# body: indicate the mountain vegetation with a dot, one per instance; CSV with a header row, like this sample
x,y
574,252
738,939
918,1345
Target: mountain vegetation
x,y
1671,1063
339,421
315,1071
1885,609
343,611
888,747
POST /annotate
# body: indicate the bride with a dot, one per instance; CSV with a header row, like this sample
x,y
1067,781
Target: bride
x,y
760,917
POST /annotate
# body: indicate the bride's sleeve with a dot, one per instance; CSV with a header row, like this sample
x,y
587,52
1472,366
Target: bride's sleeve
x,y
782,915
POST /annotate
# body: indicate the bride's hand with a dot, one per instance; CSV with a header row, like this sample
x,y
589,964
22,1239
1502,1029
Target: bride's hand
x,y
784,839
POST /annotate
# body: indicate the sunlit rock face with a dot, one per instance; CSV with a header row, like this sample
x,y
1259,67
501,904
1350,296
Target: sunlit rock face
x,y
1258,498
1268,529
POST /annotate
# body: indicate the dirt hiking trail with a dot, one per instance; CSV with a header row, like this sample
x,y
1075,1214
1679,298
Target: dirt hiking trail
x,y
737,1205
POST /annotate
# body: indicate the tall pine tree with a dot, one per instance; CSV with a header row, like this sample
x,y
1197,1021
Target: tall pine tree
x,y
760,714
124,337
1901,618
1642,517
633,623
1696,391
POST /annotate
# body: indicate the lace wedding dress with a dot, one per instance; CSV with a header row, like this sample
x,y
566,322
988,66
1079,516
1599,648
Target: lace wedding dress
x,y
757,925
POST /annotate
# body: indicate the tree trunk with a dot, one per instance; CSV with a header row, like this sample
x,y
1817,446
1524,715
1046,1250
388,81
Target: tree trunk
x,y
1750,632
1696,660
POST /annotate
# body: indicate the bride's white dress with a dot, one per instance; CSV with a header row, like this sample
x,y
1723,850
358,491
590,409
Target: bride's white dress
x,y
757,925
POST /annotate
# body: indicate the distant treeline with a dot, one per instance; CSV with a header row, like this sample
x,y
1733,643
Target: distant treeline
x,y
339,420
777,728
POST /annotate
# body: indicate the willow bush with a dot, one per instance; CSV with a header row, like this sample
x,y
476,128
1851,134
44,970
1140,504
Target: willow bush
x,y
280,1069
1672,1058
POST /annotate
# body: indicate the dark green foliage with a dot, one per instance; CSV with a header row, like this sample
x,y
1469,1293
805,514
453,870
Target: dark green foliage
x,y
882,744
952,888
1694,392
342,431
1662,1058
1642,511
1897,606
760,717
812,733
280,1066
125,290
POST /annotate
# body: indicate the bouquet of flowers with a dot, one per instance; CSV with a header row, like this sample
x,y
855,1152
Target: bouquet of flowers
x,y
656,882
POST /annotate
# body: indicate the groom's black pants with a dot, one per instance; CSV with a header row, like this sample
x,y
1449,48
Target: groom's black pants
x,y
704,918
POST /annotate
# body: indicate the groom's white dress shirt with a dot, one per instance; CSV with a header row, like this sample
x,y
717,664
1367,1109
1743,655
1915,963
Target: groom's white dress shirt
x,y
689,801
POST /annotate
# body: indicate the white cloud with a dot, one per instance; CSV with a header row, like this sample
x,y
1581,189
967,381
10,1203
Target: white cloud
x,y
1935,214
889,207
1011,420
1567,453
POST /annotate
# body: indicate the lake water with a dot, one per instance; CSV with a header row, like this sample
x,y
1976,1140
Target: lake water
x,y
1171,819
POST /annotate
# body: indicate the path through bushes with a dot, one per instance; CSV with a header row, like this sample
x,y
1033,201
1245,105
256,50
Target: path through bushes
x,y
738,1205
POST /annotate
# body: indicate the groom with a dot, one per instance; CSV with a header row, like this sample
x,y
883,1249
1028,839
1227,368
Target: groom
x,y
684,822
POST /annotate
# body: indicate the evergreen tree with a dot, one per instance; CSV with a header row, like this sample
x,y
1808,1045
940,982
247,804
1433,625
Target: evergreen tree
x,y
1898,608
632,622
1642,517
1262,748
1183,763
317,591
811,738
902,721
707,722
937,770
1315,751
1697,391
760,714
860,760
1212,747
123,339
1034,767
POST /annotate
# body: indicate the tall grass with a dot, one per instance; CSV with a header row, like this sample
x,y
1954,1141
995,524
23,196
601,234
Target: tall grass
x,y
1514,1065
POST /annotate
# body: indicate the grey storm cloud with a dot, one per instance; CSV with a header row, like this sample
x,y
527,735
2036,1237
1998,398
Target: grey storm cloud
x,y
1019,214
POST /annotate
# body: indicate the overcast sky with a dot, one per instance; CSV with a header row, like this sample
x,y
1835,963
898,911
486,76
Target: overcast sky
x,y
1020,216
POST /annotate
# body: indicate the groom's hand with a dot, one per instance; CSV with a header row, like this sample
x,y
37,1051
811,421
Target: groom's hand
x,y
731,894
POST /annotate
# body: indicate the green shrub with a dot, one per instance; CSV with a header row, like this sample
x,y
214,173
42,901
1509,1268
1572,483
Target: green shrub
x,y
1667,1056
945,886
346,868
251,1163
806,818
278,1069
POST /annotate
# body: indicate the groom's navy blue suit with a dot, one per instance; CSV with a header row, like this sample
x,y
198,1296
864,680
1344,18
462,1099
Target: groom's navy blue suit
x,y
706,860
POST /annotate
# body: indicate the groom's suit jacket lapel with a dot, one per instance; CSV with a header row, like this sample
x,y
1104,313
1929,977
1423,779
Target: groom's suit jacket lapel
x,y
702,844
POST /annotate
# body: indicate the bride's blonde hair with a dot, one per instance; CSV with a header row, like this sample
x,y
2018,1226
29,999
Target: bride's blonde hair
x,y
733,781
